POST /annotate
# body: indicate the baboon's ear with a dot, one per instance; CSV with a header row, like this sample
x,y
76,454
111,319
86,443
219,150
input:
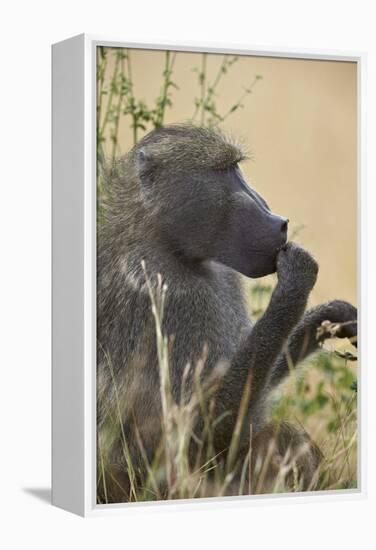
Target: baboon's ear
x,y
145,165
144,161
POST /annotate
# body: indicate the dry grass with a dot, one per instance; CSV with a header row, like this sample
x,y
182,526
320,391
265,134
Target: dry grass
x,y
321,397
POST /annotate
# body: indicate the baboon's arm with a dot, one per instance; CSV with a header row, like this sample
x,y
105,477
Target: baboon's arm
x,y
254,361
309,332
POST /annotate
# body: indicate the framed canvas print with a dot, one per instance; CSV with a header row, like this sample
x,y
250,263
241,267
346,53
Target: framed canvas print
x,y
206,275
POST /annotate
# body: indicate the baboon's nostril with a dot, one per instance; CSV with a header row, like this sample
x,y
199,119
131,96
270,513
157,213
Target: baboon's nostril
x,y
284,226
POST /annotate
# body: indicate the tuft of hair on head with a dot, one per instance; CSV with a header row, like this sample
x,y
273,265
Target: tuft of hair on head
x,y
188,144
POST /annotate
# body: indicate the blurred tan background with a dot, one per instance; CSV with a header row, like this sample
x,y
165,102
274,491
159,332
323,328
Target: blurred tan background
x,y
300,126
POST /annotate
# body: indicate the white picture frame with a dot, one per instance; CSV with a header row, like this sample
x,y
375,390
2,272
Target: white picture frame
x,y
74,274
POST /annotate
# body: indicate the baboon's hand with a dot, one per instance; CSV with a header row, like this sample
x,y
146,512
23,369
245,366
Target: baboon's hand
x,y
296,269
340,321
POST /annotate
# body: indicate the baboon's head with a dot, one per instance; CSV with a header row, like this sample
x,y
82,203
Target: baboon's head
x,y
200,203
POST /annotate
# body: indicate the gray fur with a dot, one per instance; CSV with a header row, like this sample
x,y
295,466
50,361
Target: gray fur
x,y
169,204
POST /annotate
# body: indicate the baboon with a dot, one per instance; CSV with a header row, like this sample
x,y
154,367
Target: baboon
x,y
178,205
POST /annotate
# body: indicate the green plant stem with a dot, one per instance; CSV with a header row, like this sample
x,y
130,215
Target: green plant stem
x,y
131,97
101,71
160,116
218,75
240,100
166,85
118,110
211,88
203,87
111,95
